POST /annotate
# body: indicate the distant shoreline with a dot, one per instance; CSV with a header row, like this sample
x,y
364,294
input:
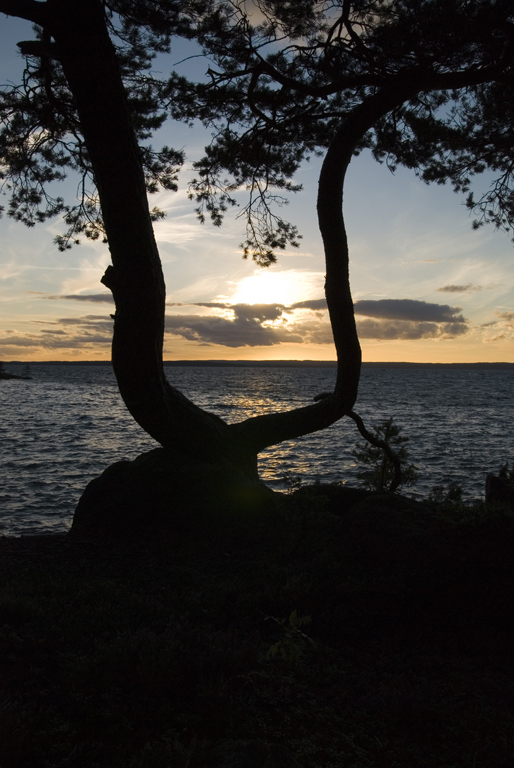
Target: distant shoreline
x,y
272,364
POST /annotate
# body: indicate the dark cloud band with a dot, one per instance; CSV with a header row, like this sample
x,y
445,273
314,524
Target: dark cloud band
x,y
265,325
409,309
391,330
468,288
95,297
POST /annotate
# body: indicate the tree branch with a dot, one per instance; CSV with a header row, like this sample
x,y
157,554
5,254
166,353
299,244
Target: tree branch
x,y
425,81
349,26
384,445
31,10
350,81
39,48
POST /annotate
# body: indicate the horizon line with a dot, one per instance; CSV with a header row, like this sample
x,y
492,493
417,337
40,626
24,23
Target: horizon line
x,y
266,363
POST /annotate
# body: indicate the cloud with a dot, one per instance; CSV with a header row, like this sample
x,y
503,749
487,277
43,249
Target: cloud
x,y
246,329
88,322
408,309
95,297
261,325
408,330
241,332
501,329
390,309
265,324
315,304
315,332
508,316
261,312
468,288
53,340
67,333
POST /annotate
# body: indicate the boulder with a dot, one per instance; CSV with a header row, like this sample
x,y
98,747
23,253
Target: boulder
x,y
160,495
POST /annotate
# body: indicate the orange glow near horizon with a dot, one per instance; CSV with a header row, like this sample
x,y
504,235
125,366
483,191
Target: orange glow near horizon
x,y
379,352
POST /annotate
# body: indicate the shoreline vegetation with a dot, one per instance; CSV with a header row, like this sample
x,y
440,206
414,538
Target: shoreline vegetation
x,y
360,630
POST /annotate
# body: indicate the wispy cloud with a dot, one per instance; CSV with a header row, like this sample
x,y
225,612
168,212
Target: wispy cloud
x,y
94,297
96,322
507,316
86,336
469,288
10,269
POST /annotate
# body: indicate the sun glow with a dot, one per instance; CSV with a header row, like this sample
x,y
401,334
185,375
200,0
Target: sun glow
x,y
273,287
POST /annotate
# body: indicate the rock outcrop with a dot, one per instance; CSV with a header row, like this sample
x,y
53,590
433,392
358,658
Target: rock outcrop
x,y
159,495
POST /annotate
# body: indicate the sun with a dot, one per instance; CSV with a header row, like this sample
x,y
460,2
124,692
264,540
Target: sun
x,y
270,288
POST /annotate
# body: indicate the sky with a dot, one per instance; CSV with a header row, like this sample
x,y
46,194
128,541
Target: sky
x,y
426,286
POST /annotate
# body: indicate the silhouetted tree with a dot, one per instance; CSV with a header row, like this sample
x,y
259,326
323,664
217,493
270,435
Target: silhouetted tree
x,y
426,84
420,82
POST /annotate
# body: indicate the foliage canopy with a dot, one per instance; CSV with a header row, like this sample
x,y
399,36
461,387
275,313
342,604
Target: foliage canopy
x,y
282,79
446,67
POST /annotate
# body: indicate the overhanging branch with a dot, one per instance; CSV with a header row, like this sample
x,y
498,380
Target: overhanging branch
x,y
403,79
30,10
39,48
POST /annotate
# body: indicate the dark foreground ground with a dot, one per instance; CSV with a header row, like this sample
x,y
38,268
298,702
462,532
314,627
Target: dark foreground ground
x,y
382,637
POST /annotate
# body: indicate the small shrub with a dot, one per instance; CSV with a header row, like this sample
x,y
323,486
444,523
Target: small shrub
x,y
507,474
293,643
381,469
442,495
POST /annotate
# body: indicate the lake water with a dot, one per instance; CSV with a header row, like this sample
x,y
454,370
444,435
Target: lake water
x,y
65,426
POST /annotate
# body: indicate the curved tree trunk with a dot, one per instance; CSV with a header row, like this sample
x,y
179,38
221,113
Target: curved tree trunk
x,y
89,62
88,58
268,430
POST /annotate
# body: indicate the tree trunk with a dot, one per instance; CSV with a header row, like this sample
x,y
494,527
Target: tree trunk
x,y
263,431
89,62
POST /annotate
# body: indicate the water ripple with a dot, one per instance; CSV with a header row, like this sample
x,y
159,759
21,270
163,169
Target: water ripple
x,y
68,424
